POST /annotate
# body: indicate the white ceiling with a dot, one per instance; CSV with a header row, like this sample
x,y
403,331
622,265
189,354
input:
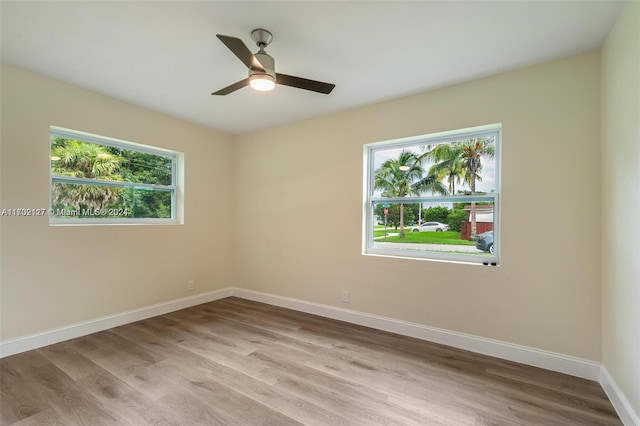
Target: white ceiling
x,y
165,55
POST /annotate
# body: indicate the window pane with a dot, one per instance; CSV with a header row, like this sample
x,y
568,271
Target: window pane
x,y
452,167
85,201
435,227
141,167
71,157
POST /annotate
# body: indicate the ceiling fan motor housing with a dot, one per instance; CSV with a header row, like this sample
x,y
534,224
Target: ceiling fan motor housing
x,y
267,63
262,38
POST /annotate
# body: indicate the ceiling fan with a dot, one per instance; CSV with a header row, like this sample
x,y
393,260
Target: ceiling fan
x,y
262,74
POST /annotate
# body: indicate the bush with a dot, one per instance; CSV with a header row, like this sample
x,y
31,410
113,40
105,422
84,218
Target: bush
x,y
455,219
436,214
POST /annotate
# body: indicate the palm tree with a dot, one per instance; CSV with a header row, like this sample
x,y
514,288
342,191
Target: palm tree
x,y
472,152
402,176
84,160
448,164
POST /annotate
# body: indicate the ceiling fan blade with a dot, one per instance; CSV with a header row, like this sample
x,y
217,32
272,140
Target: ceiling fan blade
x,y
303,83
233,87
241,51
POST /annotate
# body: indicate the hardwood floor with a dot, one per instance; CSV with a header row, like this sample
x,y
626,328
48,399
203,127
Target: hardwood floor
x,y
239,362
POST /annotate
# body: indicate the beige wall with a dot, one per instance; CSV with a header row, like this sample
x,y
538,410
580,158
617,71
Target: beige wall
x,y
298,200
55,276
621,203
299,187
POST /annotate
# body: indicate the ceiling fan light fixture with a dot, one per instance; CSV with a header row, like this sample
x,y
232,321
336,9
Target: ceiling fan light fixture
x,y
262,82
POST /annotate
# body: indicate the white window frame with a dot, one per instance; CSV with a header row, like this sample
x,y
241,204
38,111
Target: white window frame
x,y
121,144
370,200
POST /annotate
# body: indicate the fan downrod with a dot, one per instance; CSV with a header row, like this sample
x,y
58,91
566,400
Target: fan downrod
x,y
262,37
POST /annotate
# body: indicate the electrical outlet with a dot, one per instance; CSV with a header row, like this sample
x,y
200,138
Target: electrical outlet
x,y
345,296
191,285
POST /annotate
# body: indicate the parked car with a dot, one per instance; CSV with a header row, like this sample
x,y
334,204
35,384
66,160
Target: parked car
x,y
430,226
485,242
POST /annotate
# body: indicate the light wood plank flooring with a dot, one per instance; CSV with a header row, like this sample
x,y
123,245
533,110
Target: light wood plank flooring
x,y
236,362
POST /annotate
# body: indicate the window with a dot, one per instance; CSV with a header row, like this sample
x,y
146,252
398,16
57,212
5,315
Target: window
x,y
434,196
100,180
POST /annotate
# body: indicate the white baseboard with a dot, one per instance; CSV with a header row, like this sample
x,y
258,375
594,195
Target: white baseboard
x,y
509,351
56,335
620,402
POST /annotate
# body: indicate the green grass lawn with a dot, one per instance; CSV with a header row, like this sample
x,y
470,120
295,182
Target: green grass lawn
x,y
446,237
380,232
